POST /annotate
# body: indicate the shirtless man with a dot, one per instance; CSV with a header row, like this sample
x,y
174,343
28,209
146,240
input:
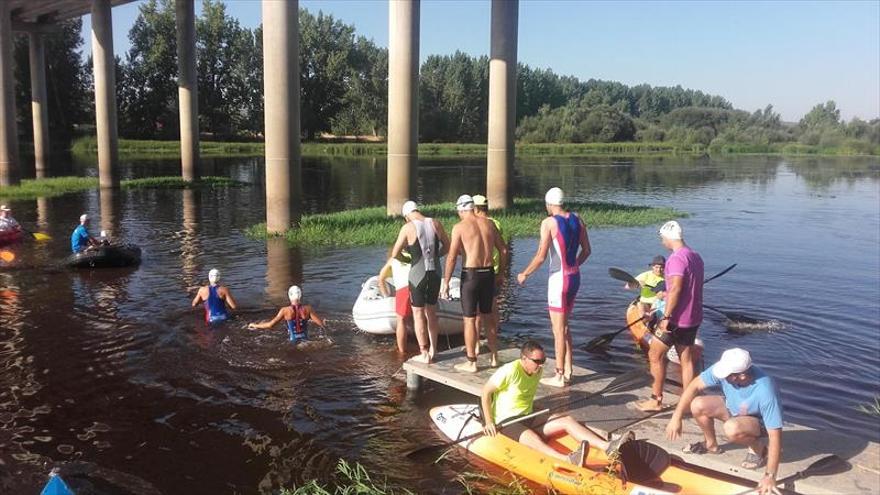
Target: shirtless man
x,y
426,242
297,317
474,238
216,298
564,236
481,209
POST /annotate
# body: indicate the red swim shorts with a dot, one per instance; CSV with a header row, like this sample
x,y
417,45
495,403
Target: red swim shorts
x,y
401,302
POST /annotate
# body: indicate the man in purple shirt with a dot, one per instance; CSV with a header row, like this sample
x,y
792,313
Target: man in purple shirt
x,y
684,313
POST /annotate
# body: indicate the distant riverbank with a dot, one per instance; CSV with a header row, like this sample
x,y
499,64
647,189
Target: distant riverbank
x,y
57,186
131,148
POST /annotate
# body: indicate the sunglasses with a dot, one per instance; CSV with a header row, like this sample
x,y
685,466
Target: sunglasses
x,y
537,361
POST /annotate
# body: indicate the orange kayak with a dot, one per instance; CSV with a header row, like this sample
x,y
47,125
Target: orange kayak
x,y
456,421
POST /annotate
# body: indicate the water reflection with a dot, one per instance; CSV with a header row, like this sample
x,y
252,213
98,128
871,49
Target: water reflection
x,y
283,268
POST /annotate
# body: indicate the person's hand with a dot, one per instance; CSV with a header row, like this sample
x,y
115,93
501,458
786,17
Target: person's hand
x,y
383,288
767,486
673,429
252,326
444,290
663,324
521,279
490,429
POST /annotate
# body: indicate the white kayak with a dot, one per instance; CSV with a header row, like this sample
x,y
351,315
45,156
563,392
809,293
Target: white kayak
x,y
374,313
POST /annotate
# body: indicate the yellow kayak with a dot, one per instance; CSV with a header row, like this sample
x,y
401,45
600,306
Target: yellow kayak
x,y
459,420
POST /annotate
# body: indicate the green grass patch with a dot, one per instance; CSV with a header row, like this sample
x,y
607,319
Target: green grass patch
x,y
348,479
57,186
371,227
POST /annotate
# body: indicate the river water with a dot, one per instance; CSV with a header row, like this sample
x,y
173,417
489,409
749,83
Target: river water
x,y
109,372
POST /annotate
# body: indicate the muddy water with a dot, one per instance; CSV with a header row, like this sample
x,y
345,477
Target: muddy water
x,y
109,372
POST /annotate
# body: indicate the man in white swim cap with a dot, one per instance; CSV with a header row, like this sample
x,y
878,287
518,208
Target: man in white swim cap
x,y
296,315
564,237
683,314
217,299
474,238
426,241
80,240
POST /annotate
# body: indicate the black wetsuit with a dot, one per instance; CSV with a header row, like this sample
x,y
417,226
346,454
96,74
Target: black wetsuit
x,y
424,275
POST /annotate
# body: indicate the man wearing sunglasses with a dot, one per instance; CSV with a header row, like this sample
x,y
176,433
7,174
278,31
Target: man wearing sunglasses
x,y
510,393
750,409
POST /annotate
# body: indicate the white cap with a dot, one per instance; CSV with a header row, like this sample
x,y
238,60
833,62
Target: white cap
x,y
464,203
5,208
409,207
83,218
294,293
671,230
213,275
554,197
732,361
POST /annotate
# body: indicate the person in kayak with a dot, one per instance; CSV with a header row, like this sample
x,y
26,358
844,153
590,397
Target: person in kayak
x,y
297,317
474,238
81,240
510,392
683,277
217,299
426,241
749,407
399,270
564,236
6,220
648,281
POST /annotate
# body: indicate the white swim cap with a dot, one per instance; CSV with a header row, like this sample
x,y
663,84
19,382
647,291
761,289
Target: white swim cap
x,y
554,197
409,207
83,218
464,203
213,275
294,293
671,230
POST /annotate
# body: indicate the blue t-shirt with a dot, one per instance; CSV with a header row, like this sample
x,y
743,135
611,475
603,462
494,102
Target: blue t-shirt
x,y
79,240
760,399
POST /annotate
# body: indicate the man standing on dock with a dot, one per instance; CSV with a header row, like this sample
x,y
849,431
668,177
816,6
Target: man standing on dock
x,y
683,313
564,236
474,238
750,409
426,241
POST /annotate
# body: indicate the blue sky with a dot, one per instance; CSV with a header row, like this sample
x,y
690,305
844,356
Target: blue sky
x,y
791,54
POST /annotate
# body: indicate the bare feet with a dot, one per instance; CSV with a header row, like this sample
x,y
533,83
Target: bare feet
x,y
650,405
424,358
555,381
494,361
467,366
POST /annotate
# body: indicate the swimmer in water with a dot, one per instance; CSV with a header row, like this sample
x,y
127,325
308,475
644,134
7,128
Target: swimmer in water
x,y
217,299
297,317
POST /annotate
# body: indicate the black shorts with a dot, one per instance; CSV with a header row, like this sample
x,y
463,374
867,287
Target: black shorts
x,y
515,430
426,292
477,289
677,335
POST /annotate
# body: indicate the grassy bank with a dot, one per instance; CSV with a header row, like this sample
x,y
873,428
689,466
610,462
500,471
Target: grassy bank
x,y
131,148
370,226
57,186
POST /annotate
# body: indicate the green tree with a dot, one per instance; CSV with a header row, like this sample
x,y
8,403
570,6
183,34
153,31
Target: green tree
x,y
822,116
365,105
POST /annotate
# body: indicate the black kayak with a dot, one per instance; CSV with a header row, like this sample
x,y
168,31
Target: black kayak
x,y
117,255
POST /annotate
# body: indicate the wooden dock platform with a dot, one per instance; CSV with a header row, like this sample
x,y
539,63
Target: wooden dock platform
x,y
801,445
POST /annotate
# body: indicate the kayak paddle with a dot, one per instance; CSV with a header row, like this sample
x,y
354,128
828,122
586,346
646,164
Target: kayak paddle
x,y
38,236
623,276
831,464
627,381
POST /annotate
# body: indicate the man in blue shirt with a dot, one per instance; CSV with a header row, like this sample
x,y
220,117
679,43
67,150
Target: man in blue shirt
x,y
750,409
80,239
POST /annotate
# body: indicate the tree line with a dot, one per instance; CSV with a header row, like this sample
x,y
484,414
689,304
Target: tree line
x,y
344,91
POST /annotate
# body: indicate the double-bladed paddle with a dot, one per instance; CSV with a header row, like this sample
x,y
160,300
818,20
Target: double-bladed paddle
x,y
825,466
627,381
623,276
38,236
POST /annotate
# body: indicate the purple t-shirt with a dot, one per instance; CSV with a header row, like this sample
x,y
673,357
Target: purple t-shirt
x,y
686,263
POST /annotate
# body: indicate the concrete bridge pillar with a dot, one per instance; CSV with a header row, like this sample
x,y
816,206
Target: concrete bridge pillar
x,y
502,103
187,92
403,102
104,66
282,113
39,103
9,168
